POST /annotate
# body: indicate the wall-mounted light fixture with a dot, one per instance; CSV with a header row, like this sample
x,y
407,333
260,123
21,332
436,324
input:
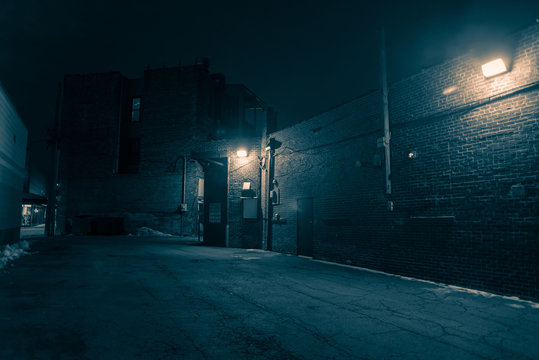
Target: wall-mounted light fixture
x,y
273,144
494,67
242,152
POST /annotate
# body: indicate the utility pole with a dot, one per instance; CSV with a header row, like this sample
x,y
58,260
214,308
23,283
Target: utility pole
x,y
54,140
385,106
271,170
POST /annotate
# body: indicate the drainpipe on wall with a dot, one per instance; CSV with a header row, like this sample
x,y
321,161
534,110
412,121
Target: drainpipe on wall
x,y
184,177
183,205
271,166
385,106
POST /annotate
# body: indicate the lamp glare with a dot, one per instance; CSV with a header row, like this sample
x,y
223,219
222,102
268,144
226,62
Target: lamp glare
x,y
493,67
242,153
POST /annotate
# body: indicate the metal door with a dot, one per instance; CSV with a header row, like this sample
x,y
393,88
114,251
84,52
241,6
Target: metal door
x,y
215,202
305,227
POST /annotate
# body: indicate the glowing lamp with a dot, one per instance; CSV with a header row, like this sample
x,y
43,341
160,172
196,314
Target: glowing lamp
x,y
493,67
241,152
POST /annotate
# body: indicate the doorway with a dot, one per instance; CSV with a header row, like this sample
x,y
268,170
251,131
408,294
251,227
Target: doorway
x,y
305,227
215,202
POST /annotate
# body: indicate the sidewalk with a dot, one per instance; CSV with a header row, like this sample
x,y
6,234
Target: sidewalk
x,y
159,298
32,231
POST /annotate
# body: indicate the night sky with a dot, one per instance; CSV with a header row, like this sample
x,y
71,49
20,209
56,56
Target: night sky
x,y
302,57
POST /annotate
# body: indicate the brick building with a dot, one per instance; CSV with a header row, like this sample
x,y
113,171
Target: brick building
x,y
13,141
464,204
150,151
463,208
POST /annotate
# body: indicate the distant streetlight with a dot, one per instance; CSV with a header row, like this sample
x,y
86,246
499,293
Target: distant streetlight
x,y
242,152
494,67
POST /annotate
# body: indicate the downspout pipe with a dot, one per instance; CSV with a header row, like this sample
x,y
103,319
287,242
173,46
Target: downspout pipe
x,y
385,109
184,177
182,208
271,169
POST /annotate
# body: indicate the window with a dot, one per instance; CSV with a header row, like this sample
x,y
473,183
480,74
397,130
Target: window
x,y
135,109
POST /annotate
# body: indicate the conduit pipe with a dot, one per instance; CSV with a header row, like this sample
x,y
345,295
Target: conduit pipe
x,y
182,208
385,109
184,177
271,172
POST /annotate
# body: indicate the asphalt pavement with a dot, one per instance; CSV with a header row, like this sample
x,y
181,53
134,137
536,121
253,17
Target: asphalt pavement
x,y
167,298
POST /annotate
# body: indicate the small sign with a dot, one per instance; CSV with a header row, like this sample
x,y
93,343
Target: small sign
x,y
215,213
200,187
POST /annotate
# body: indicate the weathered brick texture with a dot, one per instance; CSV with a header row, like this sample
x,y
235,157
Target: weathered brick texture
x,y
176,119
465,208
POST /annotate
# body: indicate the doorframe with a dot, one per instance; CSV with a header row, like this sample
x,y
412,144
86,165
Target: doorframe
x,y
212,158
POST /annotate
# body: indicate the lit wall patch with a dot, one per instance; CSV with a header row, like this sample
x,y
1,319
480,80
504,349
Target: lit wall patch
x,y
242,152
494,67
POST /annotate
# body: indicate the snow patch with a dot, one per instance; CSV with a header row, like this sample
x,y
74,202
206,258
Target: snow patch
x,y
441,288
13,251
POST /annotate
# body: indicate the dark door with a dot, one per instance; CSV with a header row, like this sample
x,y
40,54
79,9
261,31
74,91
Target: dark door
x,y
305,227
215,202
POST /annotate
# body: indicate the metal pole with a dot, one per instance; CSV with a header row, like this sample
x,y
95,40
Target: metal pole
x,y
184,179
51,203
269,215
385,105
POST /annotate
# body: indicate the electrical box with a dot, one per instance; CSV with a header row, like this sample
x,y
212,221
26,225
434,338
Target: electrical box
x,y
275,196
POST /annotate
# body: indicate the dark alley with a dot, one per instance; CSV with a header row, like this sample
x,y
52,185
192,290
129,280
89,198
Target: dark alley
x,y
269,180
165,298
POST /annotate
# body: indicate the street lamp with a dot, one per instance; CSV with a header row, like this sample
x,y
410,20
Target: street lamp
x,y
242,152
494,67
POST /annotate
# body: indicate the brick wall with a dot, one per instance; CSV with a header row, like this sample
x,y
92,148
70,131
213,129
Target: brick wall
x,y
13,142
245,233
89,139
97,123
465,208
175,118
332,158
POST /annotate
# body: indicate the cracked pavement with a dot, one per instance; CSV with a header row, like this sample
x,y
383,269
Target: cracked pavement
x,y
164,298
